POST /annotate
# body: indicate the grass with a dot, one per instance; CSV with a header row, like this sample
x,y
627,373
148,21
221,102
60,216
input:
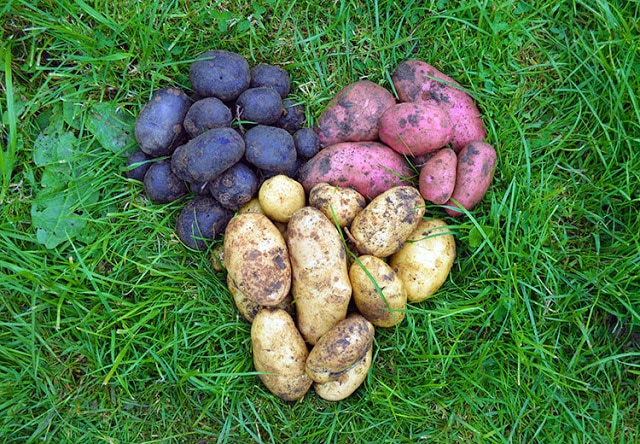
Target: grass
x,y
112,331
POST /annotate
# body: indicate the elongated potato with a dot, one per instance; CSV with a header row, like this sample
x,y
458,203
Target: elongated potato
x,y
321,287
368,167
339,204
348,382
249,309
353,114
383,226
371,276
474,174
256,259
280,352
438,176
340,348
424,262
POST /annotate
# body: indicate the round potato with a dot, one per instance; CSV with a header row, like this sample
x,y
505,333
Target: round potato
x,y
370,276
347,382
281,196
425,260
340,348
256,259
383,226
280,352
321,287
339,204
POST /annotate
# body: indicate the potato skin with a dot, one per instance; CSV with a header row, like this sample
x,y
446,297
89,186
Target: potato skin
x,y
474,173
321,287
424,263
369,167
256,259
415,128
339,202
249,309
280,352
348,382
340,348
417,81
353,114
281,196
438,176
365,294
383,226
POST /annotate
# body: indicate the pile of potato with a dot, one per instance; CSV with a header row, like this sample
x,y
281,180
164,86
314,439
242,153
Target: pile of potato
x,y
316,276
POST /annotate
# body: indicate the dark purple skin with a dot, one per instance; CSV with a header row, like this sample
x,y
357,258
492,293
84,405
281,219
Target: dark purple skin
x,y
205,157
292,118
270,148
220,74
271,76
307,142
199,188
161,185
206,114
158,128
292,172
201,220
137,165
261,105
235,187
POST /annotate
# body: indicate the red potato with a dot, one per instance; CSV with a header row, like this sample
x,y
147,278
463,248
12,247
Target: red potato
x,y
438,176
353,114
417,81
474,173
370,168
415,128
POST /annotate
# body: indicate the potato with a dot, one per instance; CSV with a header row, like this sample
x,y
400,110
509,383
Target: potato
x,y
220,74
161,185
270,148
368,167
370,275
353,114
340,348
339,204
280,197
253,206
256,259
261,105
347,382
425,260
235,187
205,114
307,143
415,128
158,128
474,172
292,118
417,81
321,287
137,165
249,309
200,221
438,176
280,352
272,76
383,226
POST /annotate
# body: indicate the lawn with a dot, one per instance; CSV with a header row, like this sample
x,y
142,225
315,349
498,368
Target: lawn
x,y
111,330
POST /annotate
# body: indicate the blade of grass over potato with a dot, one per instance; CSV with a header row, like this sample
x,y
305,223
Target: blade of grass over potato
x,y
119,333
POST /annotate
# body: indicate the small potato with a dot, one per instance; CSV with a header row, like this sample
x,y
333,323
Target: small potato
x,y
347,382
281,196
340,348
256,259
474,173
415,128
253,206
425,260
438,176
280,352
321,287
383,226
370,275
339,204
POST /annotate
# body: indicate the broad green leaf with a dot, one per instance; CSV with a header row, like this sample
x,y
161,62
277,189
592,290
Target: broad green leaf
x,y
54,147
111,126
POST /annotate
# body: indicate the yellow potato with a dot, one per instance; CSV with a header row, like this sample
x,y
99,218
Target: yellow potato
x,y
280,196
347,382
321,287
280,352
249,309
253,206
367,272
425,260
339,204
383,226
256,259
340,348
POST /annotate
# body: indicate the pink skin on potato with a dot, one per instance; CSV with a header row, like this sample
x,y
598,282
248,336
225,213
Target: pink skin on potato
x,y
438,177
